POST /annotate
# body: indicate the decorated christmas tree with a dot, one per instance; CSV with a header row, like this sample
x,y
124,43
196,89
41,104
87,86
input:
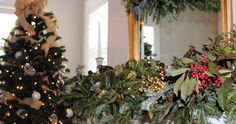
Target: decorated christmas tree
x,y
32,69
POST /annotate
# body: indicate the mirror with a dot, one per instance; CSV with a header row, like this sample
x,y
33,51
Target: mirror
x,y
191,27
170,39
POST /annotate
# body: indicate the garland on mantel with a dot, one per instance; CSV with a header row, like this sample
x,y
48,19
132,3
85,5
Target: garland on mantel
x,y
201,85
171,9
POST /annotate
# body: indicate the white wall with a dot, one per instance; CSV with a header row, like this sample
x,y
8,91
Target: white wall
x,y
191,28
118,33
69,17
7,6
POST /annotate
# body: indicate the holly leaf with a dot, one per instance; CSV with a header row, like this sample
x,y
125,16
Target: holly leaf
x,y
179,71
213,69
209,74
178,84
187,60
211,57
222,97
225,73
187,88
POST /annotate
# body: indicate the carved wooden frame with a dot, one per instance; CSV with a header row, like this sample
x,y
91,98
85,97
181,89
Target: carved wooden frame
x,y
134,33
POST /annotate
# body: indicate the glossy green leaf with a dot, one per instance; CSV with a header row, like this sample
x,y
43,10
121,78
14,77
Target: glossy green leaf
x,y
223,71
178,84
211,57
179,71
209,74
213,69
222,97
187,60
187,88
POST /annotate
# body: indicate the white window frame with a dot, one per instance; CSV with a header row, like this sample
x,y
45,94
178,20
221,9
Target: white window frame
x,y
6,7
89,7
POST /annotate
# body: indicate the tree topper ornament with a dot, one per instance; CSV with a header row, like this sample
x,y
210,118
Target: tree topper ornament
x,y
25,8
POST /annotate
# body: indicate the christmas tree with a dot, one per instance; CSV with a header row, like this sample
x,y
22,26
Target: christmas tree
x,y
32,69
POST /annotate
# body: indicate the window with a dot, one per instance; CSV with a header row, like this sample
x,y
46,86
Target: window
x,y
148,35
6,24
97,34
151,36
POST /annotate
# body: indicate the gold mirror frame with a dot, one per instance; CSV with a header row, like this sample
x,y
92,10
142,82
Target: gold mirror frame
x,y
134,33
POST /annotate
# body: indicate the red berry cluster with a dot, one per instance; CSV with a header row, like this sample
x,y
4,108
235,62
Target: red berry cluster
x,y
198,71
203,58
218,81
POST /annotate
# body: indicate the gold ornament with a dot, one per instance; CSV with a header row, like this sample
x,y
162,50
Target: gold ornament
x,y
132,74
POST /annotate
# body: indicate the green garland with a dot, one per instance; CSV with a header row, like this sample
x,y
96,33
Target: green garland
x,y
199,87
171,9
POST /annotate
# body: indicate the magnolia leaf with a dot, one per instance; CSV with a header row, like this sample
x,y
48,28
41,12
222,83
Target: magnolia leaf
x,y
178,84
187,88
179,71
228,84
229,64
211,57
213,68
187,60
222,97
192,83
209,74
223,71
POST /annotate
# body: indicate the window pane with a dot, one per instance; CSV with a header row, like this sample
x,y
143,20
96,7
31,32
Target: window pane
x,y
98,27
6,24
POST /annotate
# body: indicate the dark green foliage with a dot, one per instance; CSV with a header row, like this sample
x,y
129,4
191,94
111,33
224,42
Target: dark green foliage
x,y
169,9
113,95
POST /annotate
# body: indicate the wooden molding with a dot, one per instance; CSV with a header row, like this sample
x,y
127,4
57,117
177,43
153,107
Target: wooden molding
x,y
223,13
227,17
133,30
